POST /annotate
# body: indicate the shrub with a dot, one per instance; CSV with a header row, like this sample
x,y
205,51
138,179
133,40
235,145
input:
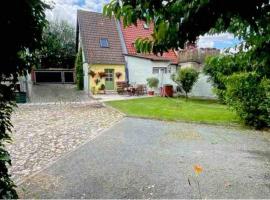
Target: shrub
x,y
102,87
79,70
185,79
152,82
249,96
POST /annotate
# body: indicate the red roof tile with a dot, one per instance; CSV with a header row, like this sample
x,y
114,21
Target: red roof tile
x,y
133,32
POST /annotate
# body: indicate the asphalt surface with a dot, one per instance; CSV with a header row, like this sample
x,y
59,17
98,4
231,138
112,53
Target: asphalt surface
x,y
42,93
140,158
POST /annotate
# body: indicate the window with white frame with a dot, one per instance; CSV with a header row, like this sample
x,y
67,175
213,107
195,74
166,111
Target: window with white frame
x,y
159,70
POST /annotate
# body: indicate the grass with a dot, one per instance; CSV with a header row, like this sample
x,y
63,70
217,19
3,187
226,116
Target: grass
x,y
177,109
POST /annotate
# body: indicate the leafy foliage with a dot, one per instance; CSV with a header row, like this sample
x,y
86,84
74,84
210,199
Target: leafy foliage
x,y
185,79
79,70
178,22
152,82
58,46
242,81
22,23
249,96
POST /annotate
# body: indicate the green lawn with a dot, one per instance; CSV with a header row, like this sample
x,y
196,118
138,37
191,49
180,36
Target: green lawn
x,y
193,110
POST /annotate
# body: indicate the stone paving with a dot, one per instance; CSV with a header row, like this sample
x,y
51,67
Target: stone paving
x,y
43,133
44,93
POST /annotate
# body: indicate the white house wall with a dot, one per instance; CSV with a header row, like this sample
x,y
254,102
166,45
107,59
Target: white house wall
x,y
139,69
202,88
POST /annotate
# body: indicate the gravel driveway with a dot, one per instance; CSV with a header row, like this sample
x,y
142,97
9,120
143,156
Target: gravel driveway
x,y
140,158
43,133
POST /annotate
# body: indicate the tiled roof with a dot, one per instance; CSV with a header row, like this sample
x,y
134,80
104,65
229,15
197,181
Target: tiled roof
x,y
94,26
133,32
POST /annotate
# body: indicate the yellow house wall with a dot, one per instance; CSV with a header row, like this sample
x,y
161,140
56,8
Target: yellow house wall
x,y
101,68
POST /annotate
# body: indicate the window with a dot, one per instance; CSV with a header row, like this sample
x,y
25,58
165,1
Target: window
x,y
145,26
169,69
104,43
155,70
159,70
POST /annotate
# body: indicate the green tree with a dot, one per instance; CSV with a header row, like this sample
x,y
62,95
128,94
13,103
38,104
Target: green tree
x,y
58,45
185,79
79,70
22,23
178,22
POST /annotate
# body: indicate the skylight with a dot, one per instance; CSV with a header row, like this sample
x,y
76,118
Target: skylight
x,y
104,43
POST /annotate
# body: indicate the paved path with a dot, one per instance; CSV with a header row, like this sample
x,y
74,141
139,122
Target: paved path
x,y
139,158
43,133
117,97
43,93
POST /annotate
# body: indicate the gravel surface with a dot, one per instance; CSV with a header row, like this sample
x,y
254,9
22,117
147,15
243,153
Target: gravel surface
x,y
140,158
43,133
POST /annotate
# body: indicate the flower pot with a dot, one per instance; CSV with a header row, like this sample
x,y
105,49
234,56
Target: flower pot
x,y
151,93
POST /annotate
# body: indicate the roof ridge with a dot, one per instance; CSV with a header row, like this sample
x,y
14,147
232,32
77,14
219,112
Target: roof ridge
x,y
89,11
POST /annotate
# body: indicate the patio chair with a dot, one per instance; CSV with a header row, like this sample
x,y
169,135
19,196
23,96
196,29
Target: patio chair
x,y
121,87
141,89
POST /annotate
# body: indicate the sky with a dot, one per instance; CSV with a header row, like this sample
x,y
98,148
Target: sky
x,y
67,9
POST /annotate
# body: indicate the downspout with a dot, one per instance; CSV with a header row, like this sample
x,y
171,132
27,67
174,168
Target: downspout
x,y
124,48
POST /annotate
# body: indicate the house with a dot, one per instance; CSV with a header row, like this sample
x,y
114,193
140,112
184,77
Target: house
x,y
108,47
99,40
142,66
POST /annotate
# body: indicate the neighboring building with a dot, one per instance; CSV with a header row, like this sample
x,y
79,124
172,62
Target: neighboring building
x,y
195,57
99,40
142,66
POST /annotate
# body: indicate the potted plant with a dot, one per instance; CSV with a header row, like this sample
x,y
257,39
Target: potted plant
x,y
102,88
152,83
92,73
102,74
118,74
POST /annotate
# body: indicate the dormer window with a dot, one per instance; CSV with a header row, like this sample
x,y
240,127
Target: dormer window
x,y
104,43
145,26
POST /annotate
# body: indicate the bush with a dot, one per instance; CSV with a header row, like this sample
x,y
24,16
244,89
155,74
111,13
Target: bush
x,y
249,96
242,82
185,79
220,67
152,82
79,70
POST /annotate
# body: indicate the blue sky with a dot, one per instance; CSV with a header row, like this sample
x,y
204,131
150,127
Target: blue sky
x,y
66,9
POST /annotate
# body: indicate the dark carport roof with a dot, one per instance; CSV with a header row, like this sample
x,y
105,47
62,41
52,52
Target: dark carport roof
x,y
94,26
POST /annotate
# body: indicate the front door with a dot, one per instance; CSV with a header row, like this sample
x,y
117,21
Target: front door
x,y
109,79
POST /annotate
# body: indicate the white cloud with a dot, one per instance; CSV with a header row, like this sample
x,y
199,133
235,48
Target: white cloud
x,y
221,40
67,9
